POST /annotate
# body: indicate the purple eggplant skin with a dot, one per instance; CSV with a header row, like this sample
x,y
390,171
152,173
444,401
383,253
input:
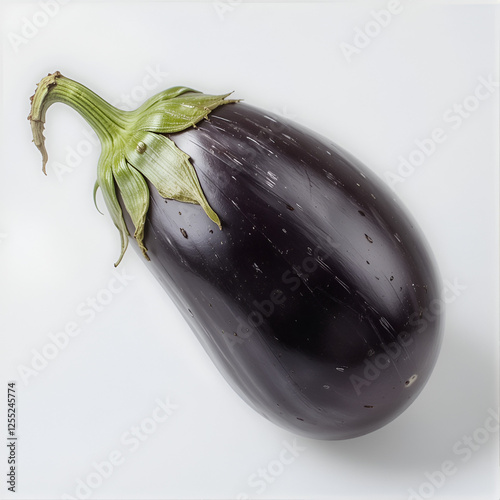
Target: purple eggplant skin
x,y
318,300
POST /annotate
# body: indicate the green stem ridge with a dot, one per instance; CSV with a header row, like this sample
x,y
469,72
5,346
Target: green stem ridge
x,y
133,147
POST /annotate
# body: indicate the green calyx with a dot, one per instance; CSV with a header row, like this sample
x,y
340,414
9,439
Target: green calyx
x,y
133,147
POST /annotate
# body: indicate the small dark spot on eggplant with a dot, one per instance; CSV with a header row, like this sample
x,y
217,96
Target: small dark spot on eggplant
x,y
360,212
400,288
180,213
368,238
377,278
368,406
368,262
235,334
183,232
391,278
290,208
411,380
211,231
301,419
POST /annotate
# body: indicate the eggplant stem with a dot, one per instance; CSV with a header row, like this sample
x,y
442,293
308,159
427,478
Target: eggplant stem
x,y
123,165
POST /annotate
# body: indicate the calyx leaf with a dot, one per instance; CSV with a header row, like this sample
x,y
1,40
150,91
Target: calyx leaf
x,y
135,194
106,182
179,113
159,153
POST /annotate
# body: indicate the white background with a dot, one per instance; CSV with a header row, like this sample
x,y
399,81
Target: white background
x,y
56,251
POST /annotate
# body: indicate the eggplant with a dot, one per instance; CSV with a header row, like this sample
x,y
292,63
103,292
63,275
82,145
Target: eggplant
x,y
307,282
